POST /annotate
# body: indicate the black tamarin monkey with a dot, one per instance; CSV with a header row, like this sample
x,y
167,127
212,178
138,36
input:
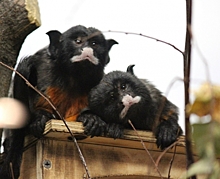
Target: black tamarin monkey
x,y
65,72
121,96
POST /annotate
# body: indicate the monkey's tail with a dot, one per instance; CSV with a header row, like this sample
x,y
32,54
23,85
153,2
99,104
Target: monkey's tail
x,y
13,146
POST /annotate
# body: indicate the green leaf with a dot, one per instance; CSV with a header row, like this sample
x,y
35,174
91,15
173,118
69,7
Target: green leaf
x,y
200,167
204,167
207,138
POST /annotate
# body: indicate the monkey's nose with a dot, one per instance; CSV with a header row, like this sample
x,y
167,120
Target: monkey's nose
x,y
121,104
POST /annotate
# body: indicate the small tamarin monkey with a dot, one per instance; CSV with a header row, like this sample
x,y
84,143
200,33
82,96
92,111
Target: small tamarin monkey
x,y
65,71
121,96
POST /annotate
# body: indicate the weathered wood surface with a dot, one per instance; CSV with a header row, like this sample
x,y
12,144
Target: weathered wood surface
x,y
17,19
55,129
106,158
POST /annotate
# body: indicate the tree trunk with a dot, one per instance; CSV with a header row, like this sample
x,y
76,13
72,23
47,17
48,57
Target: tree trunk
x,y
18,18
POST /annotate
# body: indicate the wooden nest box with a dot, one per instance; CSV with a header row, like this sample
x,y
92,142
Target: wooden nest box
x,y
55,156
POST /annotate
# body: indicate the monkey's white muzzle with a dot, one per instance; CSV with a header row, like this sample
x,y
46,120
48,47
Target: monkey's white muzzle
x,y
128,101
87,54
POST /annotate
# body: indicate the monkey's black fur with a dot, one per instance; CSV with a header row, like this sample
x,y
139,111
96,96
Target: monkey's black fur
x,y
148,108
65,71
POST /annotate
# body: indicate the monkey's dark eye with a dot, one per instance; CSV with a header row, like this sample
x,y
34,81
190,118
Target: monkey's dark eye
x,y
78,41
123,86
93,43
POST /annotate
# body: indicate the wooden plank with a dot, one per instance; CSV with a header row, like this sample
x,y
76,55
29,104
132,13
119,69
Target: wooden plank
x,y
56,129
106,158
104,161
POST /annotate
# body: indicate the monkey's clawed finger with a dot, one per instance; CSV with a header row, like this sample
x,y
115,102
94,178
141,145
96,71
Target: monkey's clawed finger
x,y
36,128
92,123
97,127
114,130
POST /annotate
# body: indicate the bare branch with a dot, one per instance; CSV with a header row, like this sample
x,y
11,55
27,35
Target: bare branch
x,y
149,37
187,66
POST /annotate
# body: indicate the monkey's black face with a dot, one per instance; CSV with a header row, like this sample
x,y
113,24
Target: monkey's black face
x,y
84,47
119,97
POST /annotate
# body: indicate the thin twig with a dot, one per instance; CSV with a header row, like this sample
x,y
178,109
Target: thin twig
x,y
171,84
165,150
171,162
12,173
57,112
202,57
129,121
149,37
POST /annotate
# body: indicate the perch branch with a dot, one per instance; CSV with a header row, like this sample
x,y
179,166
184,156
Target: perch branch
x,y
57,112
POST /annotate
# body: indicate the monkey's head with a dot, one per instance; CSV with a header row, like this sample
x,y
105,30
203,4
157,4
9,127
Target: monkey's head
x,y
80,44
81,52
120,96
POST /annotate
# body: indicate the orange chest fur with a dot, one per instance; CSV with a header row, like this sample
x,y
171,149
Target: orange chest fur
x,y
68,106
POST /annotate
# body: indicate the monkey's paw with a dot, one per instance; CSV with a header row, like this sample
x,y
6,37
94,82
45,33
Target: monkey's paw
x,y
114,130
93,125
167,133
37,126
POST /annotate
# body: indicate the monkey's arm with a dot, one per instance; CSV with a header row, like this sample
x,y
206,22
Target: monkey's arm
x,y
27,95
168,129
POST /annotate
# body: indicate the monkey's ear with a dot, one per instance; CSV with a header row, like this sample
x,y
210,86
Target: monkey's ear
x,y
54,37
110,43
130,69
